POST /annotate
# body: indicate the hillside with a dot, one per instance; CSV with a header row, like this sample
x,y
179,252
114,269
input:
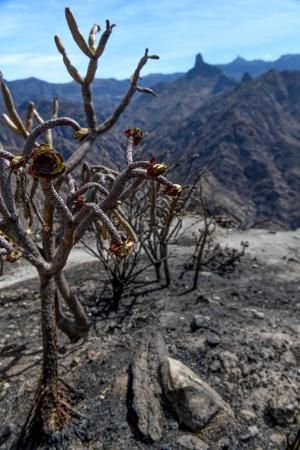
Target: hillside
x,y
253,133
251,130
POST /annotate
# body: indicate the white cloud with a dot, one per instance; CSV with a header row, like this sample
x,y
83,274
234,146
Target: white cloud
x,y
175,29
28,59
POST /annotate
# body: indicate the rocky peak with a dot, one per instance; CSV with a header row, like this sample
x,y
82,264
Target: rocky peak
x,y
239,60
201,68
246,77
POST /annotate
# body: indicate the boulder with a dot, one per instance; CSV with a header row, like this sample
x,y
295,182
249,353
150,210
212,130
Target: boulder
x,y
281,409
190,442
200,321
197,405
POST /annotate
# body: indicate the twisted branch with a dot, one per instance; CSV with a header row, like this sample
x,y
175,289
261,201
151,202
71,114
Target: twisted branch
x,y
42,128
54,198
108,123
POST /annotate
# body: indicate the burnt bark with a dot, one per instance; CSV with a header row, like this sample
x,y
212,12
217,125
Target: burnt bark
x,y
81,322
44,421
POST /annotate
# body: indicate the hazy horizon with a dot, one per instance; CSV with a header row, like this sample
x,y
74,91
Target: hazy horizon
x,y
157,73
175,30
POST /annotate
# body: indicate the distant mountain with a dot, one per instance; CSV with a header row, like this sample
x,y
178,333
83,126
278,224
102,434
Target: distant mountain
x,y
256,67
178,99
107,93
104,89
251,130
253,133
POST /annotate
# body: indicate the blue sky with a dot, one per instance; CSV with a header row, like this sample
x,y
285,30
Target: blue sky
x,y
174,29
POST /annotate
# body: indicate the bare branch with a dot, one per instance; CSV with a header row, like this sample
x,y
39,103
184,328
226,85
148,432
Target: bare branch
x,y
29,116
91,71
4,211
79,154
131,189
40,129
71,183
108,123
88,104
40,120
128,150
11,109
56,200
67,62
77,36
5,185
88,186
96,212
4,243
63,251
92,37
141,173
116,190
48,135
125,224
14,253
11,124
55,108
5,154
104,38
146,90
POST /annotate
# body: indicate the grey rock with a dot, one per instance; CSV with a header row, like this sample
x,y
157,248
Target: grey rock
x,y
197,405
253,430
295,328
258,314
213,339
230,361
277,439
112,325
215,366
5,433
200,321
98,446
281,410
288,358
251,433
247,415
190,442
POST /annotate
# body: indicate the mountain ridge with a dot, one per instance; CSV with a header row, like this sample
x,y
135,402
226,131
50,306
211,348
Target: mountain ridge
x,y
252,126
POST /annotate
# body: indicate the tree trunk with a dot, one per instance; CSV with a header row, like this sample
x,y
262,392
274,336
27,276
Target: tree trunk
x,y
44,419
82,322
118,287
157,266
64,323
50,395
164,257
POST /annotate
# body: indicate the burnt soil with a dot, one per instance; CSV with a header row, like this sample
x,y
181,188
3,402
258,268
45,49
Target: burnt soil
x,y
249,353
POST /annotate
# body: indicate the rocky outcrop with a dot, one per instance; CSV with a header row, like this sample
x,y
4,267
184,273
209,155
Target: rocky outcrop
x,y
157,378
203,69
197,405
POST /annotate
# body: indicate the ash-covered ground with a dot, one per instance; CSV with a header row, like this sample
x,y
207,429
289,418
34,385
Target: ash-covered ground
x,y
239,332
